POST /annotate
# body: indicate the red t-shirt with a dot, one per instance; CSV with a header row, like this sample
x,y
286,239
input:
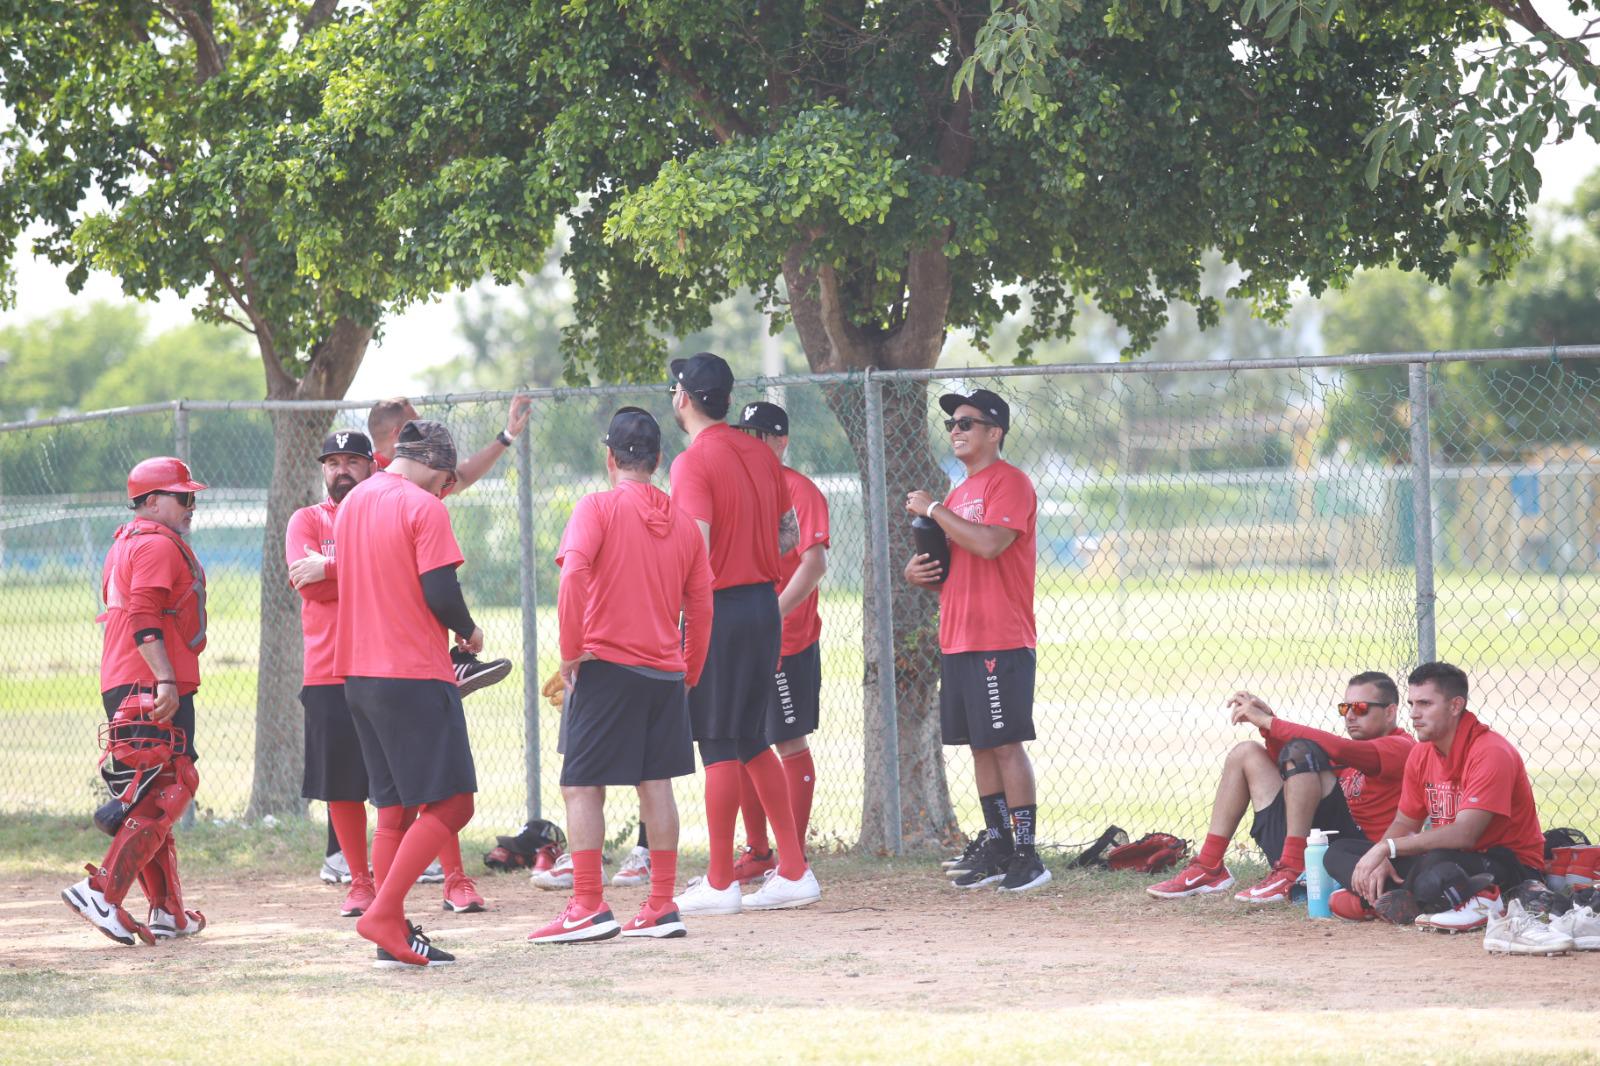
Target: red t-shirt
x,y
802,626
629,566
147,583
1370,771
389,533
987,604
1482,773
311,529
733,481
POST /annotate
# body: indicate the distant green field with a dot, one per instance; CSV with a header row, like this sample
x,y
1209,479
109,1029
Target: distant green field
x,y
1128,706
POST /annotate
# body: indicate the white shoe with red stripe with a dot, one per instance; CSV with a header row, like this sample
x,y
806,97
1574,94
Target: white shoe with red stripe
x,y
1471,916
578,926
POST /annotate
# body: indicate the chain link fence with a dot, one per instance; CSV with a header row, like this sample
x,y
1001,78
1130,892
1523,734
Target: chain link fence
x,y
1202,528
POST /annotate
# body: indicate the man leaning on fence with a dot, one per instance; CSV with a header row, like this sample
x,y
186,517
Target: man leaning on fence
x,y
986,635
154,591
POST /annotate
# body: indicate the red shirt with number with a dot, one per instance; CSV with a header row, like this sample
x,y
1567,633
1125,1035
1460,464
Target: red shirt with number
x,y
732,481
802,626
311,530
151,580
1483,772
629,566
1371,772
987,604
390,532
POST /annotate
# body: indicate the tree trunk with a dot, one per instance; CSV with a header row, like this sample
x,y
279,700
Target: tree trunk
x,y
296,439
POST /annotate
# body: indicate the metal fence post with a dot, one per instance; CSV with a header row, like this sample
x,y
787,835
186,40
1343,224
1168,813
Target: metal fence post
x,y
530,624
180,448
878,552
1422,510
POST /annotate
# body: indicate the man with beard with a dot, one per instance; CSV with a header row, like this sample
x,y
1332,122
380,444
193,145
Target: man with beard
x,y
334,771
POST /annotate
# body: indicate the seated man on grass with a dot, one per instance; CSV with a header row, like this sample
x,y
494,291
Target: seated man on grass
x,y
1301,778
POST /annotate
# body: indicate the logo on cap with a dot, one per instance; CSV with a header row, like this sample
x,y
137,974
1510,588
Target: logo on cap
x,y
342,439
749,411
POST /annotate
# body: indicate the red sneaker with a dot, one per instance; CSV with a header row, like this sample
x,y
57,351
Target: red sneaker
x,y
1274,888
661,923
1349,906
360,897
750,867
461,895
546,857
1193,880
578,926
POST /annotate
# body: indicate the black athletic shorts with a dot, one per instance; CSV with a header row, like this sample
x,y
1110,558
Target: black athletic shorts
x,y
335,769
986,697
413,739
1271,823
730,702
796,695
112,698
621,728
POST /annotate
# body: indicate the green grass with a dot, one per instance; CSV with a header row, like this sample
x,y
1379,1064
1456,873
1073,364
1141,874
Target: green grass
x,y
1131,682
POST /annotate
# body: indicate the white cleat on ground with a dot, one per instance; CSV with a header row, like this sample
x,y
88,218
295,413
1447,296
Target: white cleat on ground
x,y
635,869
556,879
1582,924
779,893
163,926
699,898
335,870
1516,932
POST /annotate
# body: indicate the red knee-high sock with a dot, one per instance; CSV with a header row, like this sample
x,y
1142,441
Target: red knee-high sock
x,y
349,819
801,773
586,879
722,811
766,772
392,825
755,818
450,858
434,824
1294,853
663,878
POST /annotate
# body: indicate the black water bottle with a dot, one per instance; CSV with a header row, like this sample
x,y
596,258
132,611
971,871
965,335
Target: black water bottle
x,y
931,541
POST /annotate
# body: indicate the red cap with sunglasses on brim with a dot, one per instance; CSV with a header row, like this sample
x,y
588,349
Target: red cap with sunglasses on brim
x,y
163,473
984,400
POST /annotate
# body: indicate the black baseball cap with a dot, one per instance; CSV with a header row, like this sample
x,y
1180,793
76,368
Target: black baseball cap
x,y
764,417
634,433
346,442
983,400
703,374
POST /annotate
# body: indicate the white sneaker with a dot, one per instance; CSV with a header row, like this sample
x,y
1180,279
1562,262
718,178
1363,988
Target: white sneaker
x,y
556,879
163,926
779,893
1471,916
335,871
635,869
91,905
433,875
1582,924
1519,933
700,898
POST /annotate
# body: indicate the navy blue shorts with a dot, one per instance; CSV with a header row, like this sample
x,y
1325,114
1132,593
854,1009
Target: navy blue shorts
x,y
335,769
730,702
621,728
413,739
796,695
986,697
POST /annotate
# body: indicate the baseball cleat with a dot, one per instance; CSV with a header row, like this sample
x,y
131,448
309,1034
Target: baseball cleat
x,y
1516,932
1193,880
1582,924
578,926
1471,916
700,898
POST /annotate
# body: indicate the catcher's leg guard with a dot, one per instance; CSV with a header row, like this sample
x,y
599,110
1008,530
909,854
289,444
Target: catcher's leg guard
x,y
144,833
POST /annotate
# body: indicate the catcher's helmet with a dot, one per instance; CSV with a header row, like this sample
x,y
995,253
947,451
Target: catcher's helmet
x,y
132,740
161,474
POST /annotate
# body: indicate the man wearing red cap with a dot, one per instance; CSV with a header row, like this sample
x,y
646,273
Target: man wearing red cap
x,y
154,591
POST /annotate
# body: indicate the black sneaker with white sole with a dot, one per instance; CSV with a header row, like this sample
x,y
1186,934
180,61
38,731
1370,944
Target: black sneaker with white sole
x,y
988,867
957,864
420,944
1025,872
473,674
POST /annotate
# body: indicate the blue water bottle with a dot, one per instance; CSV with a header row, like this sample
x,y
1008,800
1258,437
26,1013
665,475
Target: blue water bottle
x,y
1319,886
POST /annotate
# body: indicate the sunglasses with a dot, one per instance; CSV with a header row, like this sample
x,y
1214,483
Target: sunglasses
x,y
1360,707
185,499
965,424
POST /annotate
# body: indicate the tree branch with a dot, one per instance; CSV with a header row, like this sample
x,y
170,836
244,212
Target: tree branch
x,y
319,12
723,118
194,17
831,341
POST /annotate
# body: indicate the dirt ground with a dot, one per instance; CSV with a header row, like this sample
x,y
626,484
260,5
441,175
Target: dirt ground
x,y
884,935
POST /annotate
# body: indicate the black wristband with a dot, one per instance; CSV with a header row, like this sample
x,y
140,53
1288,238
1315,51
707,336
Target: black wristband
x,y
165,681
145,636
504,438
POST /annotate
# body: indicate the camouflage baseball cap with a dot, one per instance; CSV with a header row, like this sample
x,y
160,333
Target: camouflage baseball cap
x,y
427,442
